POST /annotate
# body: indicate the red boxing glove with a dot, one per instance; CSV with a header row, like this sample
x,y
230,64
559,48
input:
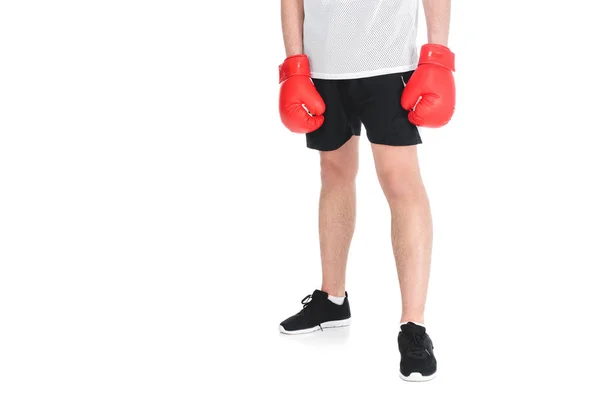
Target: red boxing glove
x,y
430,94
300,105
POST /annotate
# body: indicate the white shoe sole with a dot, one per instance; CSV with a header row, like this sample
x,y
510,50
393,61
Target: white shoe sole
x,y
417,377
325,325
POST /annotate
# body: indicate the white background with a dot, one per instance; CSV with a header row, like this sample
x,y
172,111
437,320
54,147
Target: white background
x,y
157,222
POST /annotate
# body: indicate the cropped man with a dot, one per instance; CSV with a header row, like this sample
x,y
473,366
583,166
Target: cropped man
x,y
352,63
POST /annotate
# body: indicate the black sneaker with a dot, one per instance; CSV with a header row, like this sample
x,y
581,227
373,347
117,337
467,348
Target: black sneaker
x,y
317,313
417,362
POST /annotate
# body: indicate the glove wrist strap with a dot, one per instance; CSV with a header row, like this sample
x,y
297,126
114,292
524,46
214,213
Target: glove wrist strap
x,y
294,65
438,55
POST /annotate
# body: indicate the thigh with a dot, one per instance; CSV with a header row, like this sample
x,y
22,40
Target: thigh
x,y
384,118
341,119
398,173
396,163
344,160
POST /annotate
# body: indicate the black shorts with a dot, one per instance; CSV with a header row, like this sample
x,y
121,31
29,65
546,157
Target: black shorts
x,y
374,102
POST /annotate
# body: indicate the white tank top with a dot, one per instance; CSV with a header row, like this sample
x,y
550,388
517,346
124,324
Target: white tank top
x,y
347,39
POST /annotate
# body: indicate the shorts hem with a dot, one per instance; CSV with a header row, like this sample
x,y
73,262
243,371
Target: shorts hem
x,y
332,147
397,143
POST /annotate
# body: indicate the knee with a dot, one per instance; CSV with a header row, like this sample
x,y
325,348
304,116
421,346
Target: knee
x,y
400,185
335,172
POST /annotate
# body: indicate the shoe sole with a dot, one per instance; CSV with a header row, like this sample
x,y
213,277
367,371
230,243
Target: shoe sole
x,y
325,325
417,377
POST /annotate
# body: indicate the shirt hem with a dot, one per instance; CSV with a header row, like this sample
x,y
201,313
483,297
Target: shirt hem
x,y
364,74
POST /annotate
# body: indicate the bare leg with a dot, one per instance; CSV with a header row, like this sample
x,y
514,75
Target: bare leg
x,y
337,213
412,233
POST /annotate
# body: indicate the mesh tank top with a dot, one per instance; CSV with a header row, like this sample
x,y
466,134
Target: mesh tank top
x,y
346,39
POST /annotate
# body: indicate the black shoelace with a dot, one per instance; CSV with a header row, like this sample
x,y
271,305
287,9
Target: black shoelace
x,y
306,302
418,347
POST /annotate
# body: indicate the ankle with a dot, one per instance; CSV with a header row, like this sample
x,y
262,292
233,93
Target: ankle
x,y
333,291
418,319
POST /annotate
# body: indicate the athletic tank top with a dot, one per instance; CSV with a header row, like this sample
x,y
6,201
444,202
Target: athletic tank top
x,y
346,39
